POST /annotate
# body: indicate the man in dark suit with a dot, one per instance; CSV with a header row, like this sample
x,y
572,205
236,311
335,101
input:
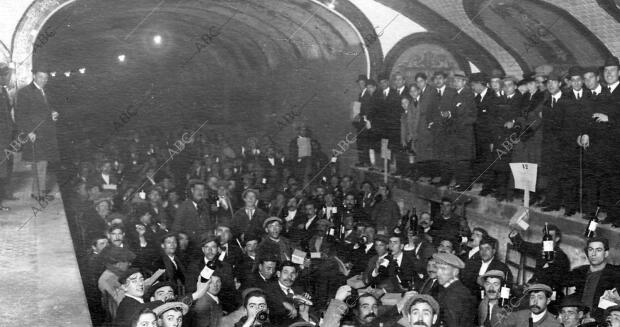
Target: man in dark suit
x,y
193,214
284,298
132,282
248,219
487,262
598,165
230,251
175,270
559,158
486,113
400,267
455,300
438,120
6,130
608,114
263,275
602,275
210,250
368,102
385,122
303,228
423,142
37,119
207,311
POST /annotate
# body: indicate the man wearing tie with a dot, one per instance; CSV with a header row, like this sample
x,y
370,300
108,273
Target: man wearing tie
x,y
249,218
38,120
6,129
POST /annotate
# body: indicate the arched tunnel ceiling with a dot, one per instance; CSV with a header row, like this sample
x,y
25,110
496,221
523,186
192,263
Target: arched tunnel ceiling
x,y
259,35
537,33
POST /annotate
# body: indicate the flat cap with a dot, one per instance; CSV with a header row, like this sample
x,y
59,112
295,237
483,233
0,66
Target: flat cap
x,y
128,273
270,220
449,259
491,273
459,74
611,61
478,78
421,297
371,81
538,288
171,305
195,181
591,69
575,71
573,300
255,191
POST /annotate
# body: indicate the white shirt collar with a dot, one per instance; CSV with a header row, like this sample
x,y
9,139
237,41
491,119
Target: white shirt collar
x,y
613,86
368,247
399,258
578,93
450,282
37,86
135,298
473,251
557,96
441,89
597,90
483,93
284,288
484,267
538,317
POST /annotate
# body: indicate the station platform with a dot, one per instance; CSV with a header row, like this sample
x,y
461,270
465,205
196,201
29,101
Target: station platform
x,y
40,280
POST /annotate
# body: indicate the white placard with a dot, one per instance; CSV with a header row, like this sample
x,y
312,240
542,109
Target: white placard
x,y
355,109
109,187
206,272
385,152
524,175
315,255
298,257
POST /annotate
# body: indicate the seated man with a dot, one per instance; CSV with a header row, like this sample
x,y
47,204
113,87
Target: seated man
x,y
287,303
170,314
132,283
257,310
479,265
421,311
537,314
364,313
207,311
262,276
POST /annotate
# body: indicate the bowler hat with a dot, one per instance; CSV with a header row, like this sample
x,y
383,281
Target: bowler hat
x,y
554,76
383,76
572,300
207,237
361,77
478,78
371,81
575,71
611,61
496,73
459,74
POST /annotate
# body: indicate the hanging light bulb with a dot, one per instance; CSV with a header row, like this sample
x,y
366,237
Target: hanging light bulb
x,y
121,58
67,74
53,74
82,70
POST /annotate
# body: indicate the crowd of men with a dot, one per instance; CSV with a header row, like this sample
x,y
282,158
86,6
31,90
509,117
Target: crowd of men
x,y
186,229
469,132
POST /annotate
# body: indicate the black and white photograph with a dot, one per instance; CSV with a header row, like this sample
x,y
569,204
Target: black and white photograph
x,y
310,163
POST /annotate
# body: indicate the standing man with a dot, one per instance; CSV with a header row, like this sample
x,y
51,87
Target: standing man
x,y
427,101
193,214
6,130
486,113
38,120
455,300
437,118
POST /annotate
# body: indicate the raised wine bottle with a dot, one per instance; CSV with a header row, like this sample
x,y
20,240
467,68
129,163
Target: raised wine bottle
x,y
591,229
504,295
548,253
413,221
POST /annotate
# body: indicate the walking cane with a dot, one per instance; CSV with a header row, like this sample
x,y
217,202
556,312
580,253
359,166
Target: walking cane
x,y
36,172
581,180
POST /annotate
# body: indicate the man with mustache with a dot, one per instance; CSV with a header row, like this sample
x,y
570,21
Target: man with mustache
x,y
421,310
489,310
540,297
364,313
283,297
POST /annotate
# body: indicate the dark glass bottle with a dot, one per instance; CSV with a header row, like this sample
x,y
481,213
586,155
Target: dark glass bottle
x,y
413,221
548,252
211,265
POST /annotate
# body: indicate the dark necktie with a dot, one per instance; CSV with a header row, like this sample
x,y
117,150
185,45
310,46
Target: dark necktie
x,y
5,93
415,103
478,99
553,101
487,321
